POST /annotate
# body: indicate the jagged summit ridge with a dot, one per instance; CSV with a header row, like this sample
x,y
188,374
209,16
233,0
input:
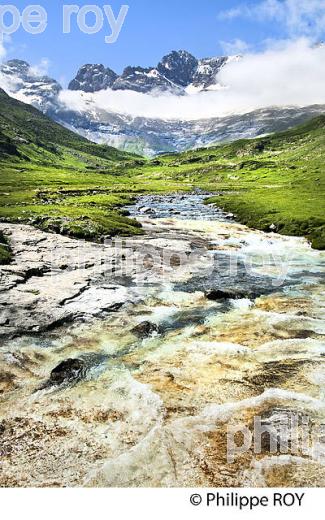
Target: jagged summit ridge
x,y
176,72
179,72
179,67
92,78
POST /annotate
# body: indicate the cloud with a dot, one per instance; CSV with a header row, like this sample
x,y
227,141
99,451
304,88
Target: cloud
x,y
297,17
3,51
235,12
234,47
42,68
290,73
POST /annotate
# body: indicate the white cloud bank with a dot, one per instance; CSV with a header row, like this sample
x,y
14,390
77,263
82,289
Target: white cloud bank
x,y
297,17
291,73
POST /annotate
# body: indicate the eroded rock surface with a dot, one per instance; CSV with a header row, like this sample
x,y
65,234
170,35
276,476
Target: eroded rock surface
x,y
54,280
97,405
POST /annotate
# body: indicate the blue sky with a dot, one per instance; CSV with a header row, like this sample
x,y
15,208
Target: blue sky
x,y
151,29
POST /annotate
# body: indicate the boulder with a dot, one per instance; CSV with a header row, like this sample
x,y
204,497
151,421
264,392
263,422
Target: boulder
x,y
219,294
145,329
67,371
145,210
216,295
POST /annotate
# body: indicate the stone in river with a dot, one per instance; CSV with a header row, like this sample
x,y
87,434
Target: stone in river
x,y
68,370
217,294
146,210
145,329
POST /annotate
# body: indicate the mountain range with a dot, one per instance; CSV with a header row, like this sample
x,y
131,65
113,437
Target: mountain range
x,y
178,73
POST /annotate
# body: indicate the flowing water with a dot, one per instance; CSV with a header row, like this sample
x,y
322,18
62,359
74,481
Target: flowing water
x,y
165,410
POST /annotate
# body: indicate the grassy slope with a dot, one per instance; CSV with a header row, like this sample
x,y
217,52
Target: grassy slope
x,y
278,179
40,161
56,180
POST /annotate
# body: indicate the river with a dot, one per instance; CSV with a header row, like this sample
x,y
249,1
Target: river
x,y
236,347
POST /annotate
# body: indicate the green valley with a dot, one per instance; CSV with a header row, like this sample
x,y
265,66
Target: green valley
x,y
58,181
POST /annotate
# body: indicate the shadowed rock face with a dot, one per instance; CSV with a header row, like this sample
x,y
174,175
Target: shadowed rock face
x,y
40,89
66,371
92,78
217,294
179,67
206,73
144,80
174,73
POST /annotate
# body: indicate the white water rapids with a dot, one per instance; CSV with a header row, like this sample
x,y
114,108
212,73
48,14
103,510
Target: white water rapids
x,y
156,411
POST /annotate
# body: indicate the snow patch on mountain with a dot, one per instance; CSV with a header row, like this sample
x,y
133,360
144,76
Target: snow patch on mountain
x,y
19,79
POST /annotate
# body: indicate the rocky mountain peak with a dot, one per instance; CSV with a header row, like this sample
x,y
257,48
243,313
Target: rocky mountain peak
x,y
207,70
146,135
179,67
40,91
92,78
17,66
178,72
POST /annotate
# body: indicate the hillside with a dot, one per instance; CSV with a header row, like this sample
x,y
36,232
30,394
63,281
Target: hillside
x,y
26,132
37,155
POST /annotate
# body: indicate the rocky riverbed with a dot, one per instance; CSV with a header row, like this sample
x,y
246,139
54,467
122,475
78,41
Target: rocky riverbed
x,y
128,363
54,280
